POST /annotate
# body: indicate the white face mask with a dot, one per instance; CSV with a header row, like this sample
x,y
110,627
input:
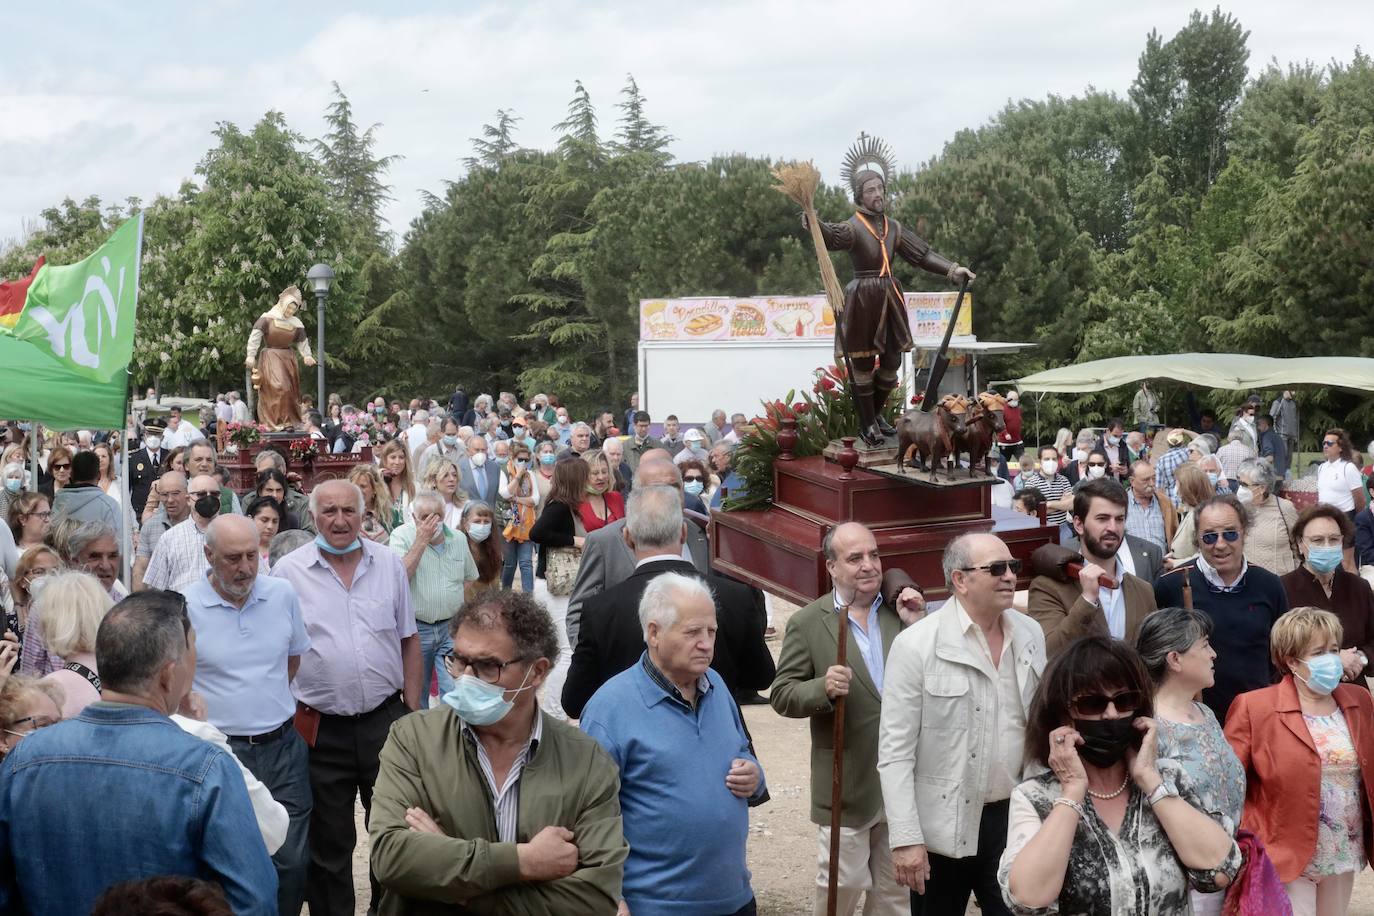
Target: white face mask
x,y
1096,471
1049,467
479,459
153,442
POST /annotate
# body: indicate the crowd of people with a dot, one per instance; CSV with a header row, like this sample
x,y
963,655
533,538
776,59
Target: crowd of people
x,y
502,635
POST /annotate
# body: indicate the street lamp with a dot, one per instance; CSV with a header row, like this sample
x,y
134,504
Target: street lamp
x,y
320,277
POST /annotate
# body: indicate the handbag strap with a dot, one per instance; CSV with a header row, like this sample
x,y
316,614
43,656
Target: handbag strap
x,y
91,677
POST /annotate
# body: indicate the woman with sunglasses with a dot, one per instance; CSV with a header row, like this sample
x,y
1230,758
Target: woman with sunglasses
x,y
1112,827
1306,744
1339,482
1320,534
1175,646
59,470
1242,599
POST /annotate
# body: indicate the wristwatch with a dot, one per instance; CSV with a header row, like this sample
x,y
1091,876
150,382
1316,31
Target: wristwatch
x,y
1161,792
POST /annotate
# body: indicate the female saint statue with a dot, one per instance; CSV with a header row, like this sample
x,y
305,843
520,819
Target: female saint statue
x,y
276,335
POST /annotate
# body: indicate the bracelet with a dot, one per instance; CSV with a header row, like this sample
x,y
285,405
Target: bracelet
x,y
1160,792
1070,803
949,274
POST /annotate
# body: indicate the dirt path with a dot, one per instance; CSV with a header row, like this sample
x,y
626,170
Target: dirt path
x,y
782,839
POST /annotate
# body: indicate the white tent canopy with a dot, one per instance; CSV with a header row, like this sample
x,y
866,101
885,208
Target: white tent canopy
x,y
1234,371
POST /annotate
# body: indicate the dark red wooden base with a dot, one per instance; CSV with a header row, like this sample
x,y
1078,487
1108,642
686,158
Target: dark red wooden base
x,y
779,549
243,477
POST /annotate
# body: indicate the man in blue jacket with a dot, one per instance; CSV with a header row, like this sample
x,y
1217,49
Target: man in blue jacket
x,y
121,792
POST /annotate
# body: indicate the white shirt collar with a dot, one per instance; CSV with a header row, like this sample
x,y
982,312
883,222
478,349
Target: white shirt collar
x,y
658,558
1214,578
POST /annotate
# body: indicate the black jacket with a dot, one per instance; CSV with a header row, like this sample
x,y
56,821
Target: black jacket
x,y
611,639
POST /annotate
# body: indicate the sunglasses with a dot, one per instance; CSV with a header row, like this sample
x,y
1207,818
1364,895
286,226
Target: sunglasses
x,y
1095,704
1097,464
1210,537
61,467
997,569
1326,443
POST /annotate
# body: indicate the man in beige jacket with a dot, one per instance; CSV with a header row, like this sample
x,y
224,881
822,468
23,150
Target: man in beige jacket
x,y
951,735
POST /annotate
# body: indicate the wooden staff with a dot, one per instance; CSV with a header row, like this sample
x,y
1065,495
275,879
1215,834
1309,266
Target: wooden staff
x,y
832,888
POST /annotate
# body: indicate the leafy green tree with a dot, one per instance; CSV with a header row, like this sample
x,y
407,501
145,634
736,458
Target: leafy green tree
x,y
355,173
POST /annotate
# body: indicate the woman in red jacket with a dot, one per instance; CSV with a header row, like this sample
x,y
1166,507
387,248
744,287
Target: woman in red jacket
x,y
1307,745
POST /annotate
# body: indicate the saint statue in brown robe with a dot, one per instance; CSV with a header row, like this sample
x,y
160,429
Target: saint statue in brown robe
x,y
277,335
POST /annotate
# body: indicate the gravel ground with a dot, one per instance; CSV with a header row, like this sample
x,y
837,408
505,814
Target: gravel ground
x,y
782,839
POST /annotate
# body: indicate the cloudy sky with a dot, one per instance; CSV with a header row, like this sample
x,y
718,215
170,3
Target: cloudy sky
x,y
119,99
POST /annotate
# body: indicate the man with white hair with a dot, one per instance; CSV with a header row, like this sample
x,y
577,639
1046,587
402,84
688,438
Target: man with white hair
x,y
948,759
417,436
250,636
686,770
610,638
478,477
579,439
239,407
172,487
614,450
178,560
361,674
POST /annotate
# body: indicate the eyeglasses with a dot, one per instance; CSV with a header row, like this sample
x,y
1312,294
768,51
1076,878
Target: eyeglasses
x,y
197,494
1326,443
36,722
1230,534
997,569
486,669
1095,704
43,515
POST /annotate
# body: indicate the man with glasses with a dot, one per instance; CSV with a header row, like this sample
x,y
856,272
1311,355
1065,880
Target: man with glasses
x,y
172,487
1068,609
250,637
951,744
461,784
178,561
1242,600
361,674
807,684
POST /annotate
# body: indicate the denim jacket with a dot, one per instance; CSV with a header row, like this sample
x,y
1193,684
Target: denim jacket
x,y
121,793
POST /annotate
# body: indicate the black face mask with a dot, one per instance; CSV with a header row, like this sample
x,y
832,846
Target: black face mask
x,y
207,506
1105,741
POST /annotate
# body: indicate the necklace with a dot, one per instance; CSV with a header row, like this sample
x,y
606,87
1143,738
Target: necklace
x,y
1124,783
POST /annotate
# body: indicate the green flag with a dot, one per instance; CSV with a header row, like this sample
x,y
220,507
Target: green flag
x,y
83,314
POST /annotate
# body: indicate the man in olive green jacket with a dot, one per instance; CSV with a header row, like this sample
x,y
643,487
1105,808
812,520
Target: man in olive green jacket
x,y
806,685
517,816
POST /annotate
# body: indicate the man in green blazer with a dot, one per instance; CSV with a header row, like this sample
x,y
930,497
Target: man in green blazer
x,y
808,682
486,805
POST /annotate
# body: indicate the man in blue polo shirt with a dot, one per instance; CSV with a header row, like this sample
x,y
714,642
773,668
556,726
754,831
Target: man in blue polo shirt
x,y
250,637
686,772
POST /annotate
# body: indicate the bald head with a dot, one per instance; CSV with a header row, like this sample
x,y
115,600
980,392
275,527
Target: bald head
x,y
657,472
230,533
656,454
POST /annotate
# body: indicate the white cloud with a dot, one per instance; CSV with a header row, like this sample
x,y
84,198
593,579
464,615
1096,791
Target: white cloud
x,y
789,79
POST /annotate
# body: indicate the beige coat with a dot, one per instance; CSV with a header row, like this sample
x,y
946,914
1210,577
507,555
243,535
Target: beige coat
x,y
935,740
1268,542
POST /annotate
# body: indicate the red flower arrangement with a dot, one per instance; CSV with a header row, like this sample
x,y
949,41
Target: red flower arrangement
x,y
304,450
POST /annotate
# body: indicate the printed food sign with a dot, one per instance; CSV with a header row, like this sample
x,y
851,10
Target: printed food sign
x,y
782,317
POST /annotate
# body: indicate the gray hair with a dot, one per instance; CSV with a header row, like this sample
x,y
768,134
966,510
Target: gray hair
x,y
1169,629
284,542
12,468
958,555
315,495
654,516
475,505
274,456
427,499
1257,472
524,618
578,427
419,416
86,534
481,400
659,602
1085,435
138,637
1201,445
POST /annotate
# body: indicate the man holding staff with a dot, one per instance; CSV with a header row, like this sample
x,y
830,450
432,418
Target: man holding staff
x,y
810,685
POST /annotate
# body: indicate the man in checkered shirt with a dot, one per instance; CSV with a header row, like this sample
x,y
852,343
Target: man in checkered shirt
x,y
1171,461
178,560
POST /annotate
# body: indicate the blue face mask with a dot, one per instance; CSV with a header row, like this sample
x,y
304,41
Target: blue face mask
x,y
480,532
1324,673
1324,559
327,547
1213,477
693,487
479,703
451,441
14,486
547,458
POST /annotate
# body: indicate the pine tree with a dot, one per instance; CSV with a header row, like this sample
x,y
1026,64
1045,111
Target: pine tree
x,y
354,174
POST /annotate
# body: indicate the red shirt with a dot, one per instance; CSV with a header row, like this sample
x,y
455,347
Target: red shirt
x,y
615,508
1011,416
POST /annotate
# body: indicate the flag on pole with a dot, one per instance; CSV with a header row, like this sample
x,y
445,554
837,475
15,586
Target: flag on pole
x,y
67,334
81,314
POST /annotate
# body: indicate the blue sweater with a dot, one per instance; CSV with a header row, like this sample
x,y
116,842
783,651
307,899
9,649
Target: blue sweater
x,y
686,831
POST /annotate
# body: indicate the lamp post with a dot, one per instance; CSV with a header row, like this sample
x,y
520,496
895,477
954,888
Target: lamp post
x,y
320,277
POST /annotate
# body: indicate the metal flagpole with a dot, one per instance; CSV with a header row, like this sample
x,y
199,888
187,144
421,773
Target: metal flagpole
x,y
33,456
126,540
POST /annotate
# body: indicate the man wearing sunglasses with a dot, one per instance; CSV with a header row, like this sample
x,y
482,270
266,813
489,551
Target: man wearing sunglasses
x,y
1068,609
808,682
951,745
1242,600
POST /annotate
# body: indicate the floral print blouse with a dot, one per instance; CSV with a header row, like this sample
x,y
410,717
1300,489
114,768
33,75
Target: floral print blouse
x,y
1134,872
1213,768
1340,824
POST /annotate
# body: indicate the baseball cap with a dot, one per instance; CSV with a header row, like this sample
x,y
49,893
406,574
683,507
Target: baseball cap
x,y
693,435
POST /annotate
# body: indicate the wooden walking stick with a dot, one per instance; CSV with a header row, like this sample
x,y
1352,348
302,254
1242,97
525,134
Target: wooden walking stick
x,y
832,889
